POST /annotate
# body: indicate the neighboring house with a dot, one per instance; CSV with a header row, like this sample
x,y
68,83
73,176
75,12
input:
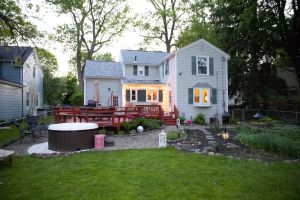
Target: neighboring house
x,y
288,74
21,82
193,78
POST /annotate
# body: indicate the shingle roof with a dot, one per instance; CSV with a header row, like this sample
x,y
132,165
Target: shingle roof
x,y
100,69
143,81
143,57
14,52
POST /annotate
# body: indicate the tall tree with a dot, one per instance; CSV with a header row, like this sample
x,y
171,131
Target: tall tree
x,y
14,25
162,23
95,23
103,57
288,23
198,26
53,86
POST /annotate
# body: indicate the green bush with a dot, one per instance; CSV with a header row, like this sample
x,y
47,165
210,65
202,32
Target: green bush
x,y
182,119
77,99
200,119
270,141
148,124
268,121
174,135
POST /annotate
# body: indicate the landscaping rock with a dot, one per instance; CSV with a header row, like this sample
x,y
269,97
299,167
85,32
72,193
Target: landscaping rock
x,y
211,153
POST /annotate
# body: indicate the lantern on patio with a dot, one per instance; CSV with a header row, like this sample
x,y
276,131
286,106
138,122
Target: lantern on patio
x,y
225,120
162,139
258,117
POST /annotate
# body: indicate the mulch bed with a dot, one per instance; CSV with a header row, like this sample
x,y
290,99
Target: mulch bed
x,y
195,140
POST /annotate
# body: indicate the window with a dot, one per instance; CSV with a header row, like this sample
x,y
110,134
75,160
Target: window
x,y
133,95
201,96
166,68
141,71
202,65
196,95
27,98
33,71
152,95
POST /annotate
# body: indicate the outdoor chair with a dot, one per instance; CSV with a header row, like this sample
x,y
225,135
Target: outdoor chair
x,y
33,129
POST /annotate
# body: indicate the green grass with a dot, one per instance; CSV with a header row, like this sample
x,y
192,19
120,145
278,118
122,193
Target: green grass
x,y
173,135
147,174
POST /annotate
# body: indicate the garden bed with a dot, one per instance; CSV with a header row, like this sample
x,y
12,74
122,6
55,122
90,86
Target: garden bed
x,y
236,149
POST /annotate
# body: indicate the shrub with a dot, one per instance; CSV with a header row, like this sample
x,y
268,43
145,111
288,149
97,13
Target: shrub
x,y
200,119
268,121
148,124
182,119
77,99
269,140
174,135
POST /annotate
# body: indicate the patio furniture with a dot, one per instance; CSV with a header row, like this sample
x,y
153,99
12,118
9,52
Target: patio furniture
x,y
32,129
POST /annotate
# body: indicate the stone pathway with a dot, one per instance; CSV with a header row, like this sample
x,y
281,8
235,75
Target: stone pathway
x,y
210,139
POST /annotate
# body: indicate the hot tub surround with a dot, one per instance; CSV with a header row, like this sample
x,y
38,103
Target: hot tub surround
x,y
71,136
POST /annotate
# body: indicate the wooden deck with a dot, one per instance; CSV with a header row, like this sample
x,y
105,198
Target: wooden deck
x,y
111,117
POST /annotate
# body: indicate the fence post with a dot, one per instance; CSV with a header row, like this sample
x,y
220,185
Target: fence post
x,y
243,115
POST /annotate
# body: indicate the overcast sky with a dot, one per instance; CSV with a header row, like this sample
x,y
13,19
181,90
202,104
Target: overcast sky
x,y
49,19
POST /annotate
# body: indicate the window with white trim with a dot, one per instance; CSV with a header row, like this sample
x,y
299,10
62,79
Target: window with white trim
x,y
133,96
141,71
202,65
201,96
152,95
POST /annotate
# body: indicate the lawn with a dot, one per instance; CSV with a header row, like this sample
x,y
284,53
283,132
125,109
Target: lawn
x,y
147,174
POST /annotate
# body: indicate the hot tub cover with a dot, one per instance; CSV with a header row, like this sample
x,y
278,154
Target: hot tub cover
x,y
72,126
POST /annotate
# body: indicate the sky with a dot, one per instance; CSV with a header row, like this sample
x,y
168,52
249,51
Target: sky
x,y
49,19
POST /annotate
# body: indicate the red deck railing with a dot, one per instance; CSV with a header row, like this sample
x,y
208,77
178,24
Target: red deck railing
x,y
107,116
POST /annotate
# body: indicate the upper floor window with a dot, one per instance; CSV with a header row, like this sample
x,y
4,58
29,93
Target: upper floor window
x,y
166,68
141,71
202,65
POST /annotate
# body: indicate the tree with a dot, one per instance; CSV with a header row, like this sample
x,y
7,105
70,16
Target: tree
x,y
199,26
94,25
103,57
288,23
162,23
71,87
53,86
14,25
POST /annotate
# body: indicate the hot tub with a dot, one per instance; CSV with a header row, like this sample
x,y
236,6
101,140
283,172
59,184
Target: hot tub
x,y
71,136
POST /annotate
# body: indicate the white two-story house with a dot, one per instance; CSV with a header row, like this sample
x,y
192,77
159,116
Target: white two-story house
x,y
193,78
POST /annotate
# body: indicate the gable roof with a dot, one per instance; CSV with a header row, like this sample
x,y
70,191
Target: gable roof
x,y
12,53
227,56
103,69
142,57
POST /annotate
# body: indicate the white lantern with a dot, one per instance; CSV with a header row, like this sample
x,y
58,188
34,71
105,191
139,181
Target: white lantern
x,y
140,129
162,139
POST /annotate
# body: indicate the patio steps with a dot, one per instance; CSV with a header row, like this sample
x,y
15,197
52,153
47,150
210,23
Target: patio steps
x,y
169,121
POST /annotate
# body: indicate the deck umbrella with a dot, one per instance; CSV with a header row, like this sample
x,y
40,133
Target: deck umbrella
x,y
96,96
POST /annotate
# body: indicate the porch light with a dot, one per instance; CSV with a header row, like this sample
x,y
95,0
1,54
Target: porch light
x,y
258,117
